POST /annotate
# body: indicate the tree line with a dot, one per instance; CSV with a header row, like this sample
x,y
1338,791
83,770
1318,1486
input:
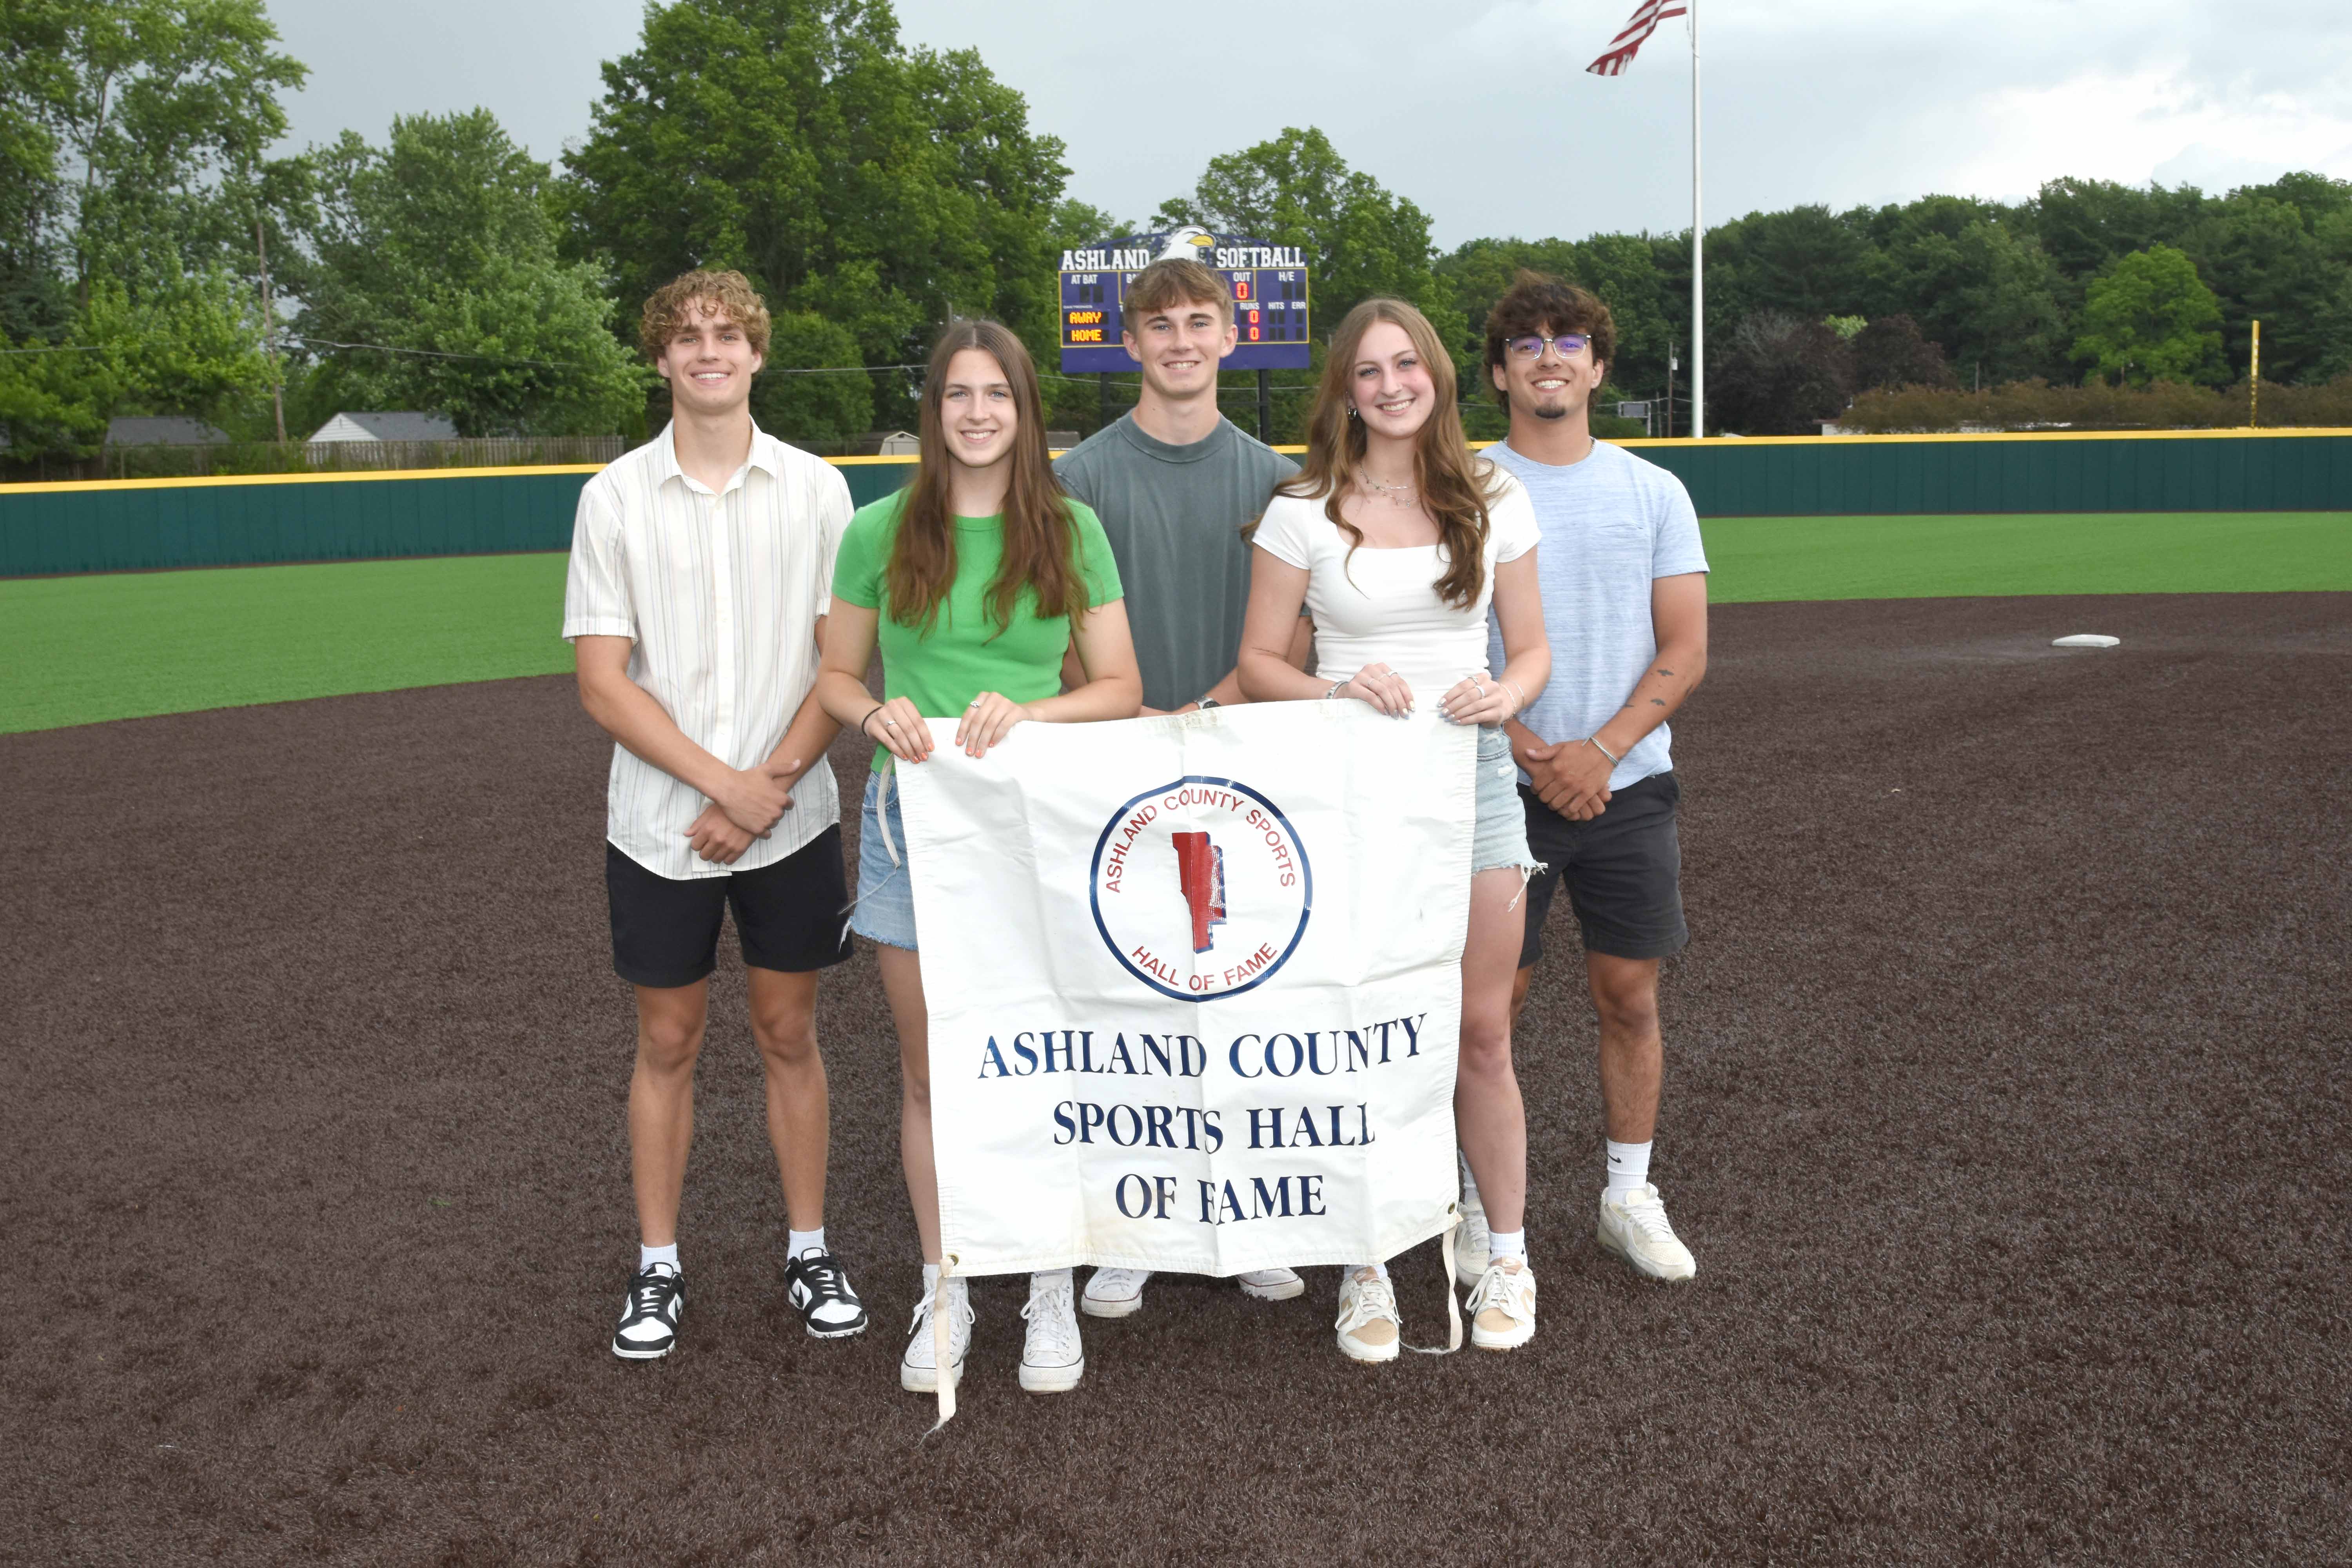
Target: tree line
x,y
156,258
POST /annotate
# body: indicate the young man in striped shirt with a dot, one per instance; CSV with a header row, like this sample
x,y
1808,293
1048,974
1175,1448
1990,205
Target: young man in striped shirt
x,y
701,567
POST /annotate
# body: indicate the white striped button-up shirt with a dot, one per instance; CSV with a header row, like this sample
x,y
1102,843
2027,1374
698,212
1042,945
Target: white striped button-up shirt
x,y
720,594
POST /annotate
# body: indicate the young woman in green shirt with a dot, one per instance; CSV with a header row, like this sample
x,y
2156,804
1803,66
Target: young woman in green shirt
x,y
973,581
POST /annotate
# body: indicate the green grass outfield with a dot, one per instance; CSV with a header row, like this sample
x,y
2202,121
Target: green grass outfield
x,y
77,650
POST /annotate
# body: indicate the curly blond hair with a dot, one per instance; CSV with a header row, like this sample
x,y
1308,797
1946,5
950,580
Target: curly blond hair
x,y
699,294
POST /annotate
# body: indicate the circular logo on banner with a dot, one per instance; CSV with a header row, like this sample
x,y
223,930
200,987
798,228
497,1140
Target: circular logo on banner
x,y
1201,888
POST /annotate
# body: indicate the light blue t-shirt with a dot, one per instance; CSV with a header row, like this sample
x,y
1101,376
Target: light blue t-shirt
x,y
1611,524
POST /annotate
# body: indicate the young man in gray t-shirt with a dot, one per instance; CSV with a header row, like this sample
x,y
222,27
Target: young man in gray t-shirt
x,y
1625,598
1175,485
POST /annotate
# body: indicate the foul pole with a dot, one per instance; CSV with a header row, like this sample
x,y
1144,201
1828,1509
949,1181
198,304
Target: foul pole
x,y
1698,243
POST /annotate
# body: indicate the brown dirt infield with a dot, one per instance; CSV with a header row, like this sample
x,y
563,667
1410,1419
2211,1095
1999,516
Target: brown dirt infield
x,y
2007,1077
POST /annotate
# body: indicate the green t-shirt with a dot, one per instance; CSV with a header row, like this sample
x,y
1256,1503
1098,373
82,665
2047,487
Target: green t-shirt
x,y
964,652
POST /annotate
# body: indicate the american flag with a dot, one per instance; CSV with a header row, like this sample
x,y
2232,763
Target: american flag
x,y
1645,20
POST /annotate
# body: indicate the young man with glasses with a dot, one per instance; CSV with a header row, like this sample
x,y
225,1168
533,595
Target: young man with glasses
x,y
1176,485
701,569
1625,598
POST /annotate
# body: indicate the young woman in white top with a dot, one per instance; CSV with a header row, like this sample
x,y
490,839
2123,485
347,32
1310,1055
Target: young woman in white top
x,y
1397,540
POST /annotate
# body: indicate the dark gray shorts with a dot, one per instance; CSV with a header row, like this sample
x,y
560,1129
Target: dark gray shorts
x,y
1624,872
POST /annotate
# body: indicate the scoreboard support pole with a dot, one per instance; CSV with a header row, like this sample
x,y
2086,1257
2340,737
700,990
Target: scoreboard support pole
x,y
1265,406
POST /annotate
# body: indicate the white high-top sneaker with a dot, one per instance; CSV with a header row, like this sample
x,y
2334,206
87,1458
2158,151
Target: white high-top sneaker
x,y
1115,1292
1052,1359
918,1371
1633,1226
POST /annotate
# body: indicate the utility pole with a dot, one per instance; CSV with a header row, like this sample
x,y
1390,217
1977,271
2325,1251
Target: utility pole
x,y
269,331
1671,364
2254,382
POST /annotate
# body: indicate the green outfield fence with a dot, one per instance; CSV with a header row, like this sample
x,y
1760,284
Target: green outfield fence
x,y
147,524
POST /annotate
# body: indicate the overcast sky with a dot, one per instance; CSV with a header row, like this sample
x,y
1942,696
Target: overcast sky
x,y
1481,111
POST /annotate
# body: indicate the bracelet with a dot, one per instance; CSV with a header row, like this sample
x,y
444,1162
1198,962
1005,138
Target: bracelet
x,y
869,713
1516,692
1594,742
1335,688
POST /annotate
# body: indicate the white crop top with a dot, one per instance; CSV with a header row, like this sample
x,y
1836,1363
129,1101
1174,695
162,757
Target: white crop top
x,y
1381,607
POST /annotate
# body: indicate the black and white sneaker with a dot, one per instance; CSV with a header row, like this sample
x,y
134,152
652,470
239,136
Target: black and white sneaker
x,y
649,1316
819,1291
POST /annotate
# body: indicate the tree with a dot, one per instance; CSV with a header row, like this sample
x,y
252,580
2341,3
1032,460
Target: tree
x,y
1360,240
868,191
2151,317
1807,262
1889,352
437,284
1778,376
2270,261
1971,277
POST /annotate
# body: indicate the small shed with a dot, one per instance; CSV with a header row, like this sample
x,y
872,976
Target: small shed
x,y
901,444
167,430
385,427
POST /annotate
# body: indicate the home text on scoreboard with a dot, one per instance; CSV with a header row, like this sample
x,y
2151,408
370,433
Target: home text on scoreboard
x,y
1268,284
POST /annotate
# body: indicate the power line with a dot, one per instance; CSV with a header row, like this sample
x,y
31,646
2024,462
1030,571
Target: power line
x,y
63,349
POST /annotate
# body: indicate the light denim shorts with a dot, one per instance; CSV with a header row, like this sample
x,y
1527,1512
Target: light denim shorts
x,y
885,910
1501,835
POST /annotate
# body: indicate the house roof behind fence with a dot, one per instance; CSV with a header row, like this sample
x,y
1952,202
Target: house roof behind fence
x,y
160,431
386,426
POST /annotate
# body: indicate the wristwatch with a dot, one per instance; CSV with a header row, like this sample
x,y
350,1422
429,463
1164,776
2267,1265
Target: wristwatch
x,y
1206,703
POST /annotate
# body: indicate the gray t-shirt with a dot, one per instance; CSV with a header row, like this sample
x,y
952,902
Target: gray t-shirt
x,y
1611,524
1175,516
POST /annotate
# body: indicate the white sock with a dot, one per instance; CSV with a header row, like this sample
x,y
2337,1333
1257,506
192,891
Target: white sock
x,y
1507,1244
804,1241
649,1256
1629,1166
1469,1181
1379,1272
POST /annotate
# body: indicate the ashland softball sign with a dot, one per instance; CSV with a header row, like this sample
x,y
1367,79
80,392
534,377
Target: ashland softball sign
x,y
1194,986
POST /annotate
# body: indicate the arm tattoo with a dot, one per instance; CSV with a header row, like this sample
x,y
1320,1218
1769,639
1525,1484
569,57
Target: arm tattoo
x,y
1657,702
1664,671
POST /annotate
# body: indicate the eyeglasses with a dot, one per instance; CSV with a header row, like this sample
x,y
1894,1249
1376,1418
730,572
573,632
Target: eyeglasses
x,y
1567,344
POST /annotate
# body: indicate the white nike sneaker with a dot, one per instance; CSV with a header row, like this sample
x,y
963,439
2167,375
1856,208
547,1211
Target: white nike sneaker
x,y
1503,1307
1052,1359
1369,1329
1271,1284
1115,1292
1633,1226
1471,1244
918,1371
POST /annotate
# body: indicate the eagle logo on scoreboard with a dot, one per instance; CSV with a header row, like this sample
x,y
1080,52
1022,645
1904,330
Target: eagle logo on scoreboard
x,y
1201,888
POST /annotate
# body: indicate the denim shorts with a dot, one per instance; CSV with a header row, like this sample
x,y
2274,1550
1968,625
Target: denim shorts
x,y
885,910
1501,835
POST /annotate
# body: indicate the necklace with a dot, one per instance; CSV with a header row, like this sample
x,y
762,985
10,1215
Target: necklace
x,y
1398,495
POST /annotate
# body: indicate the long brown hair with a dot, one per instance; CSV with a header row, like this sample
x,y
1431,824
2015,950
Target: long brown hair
x,y
1454,485
1040,545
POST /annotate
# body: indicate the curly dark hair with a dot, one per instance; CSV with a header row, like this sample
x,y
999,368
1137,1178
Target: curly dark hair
x,y
1536,303
693,295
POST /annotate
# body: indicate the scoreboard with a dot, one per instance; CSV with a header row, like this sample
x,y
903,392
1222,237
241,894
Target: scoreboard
x,y
1268,284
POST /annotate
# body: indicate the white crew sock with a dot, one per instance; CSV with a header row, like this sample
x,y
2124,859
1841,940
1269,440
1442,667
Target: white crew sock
x,y
804,1241
1507,1244
1629,1166
1469,1181
649,1256
1379,1270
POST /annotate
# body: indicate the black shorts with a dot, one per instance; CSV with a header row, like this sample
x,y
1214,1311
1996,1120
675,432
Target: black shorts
x,y
788,915
1623,870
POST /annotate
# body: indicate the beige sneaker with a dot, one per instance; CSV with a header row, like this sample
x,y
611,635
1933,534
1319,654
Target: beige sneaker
x,y
1369,1329
1471,1245
1271,1284
1633,1226
1503,1307
1114,1293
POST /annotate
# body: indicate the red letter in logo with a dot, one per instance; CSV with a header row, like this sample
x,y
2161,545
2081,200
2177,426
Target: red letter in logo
x,y
1201,868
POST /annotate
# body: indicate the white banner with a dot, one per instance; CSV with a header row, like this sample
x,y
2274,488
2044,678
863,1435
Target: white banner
x,y
1194,986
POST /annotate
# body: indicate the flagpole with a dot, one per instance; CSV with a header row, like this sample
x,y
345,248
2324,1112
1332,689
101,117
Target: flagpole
x,y
1698,240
